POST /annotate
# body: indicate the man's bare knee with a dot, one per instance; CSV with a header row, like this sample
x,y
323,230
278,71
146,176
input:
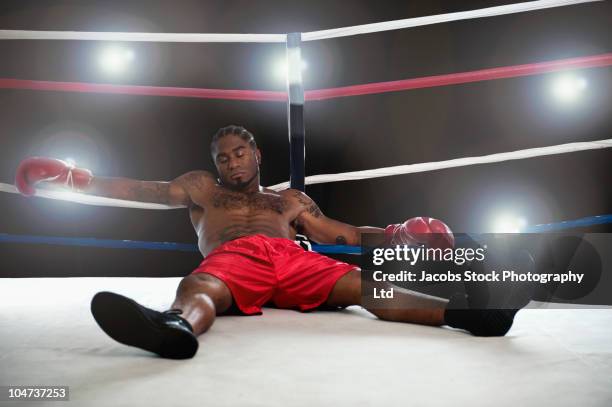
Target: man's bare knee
x,y
207,287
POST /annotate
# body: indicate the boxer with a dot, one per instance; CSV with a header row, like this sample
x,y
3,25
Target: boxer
x,y
246,234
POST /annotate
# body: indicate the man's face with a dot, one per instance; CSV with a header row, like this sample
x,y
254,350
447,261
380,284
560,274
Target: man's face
x,y
236,161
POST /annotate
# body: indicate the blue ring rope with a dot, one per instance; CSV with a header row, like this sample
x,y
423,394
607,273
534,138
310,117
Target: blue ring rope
x,y
569,224
93,242
187,247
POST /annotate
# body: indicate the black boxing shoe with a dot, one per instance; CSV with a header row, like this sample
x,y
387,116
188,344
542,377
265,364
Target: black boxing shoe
x,y
479,322
132,324
466,312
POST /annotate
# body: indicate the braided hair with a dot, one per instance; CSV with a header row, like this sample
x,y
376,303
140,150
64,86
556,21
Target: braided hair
x,y
233,130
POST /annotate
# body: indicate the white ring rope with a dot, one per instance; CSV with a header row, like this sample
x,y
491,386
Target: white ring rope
x,y
88,199
139,37
318,179
278,38
440,18
457,162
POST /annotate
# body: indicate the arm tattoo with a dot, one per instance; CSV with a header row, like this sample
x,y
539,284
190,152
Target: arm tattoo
x,y
309,204
149,192
340,239
314,210
195,179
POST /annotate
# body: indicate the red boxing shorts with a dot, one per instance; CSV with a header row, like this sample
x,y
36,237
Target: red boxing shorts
x,y
258,269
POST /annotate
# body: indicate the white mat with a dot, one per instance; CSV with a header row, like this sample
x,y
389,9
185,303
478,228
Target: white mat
x,y
285,358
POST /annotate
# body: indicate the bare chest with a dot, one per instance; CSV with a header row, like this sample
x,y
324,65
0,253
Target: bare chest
x,y
257,202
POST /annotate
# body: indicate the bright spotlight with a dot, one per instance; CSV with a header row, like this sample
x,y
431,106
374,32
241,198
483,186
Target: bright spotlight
x,y
115,59
281,69
509,224
567,88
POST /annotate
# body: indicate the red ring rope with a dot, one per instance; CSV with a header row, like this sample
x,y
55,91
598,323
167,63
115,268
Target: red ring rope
x,y
319,94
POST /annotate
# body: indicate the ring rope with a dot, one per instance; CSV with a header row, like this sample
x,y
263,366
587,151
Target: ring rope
x,y
187,247
89,199
504,72
437,19
569,224
83,87
140,37
277,38
457,162
346,176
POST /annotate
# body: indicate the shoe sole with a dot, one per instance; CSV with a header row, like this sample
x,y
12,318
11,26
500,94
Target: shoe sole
x,y
124,320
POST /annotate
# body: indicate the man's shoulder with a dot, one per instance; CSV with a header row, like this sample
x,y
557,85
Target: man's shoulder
x,y
291,193
196,178
297,196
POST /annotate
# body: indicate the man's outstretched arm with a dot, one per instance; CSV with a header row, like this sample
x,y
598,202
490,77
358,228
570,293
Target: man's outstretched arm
x,y
33,170
173,193
318,227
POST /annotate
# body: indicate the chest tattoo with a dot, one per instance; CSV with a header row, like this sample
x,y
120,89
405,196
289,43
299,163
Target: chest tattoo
x,y
234,200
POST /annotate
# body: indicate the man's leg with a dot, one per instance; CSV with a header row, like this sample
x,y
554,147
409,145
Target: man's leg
x,y
409,306
172,333
427,310
201,297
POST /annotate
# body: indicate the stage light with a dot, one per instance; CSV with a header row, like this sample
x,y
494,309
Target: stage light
x,y
281,70
508,223
115,59
568,88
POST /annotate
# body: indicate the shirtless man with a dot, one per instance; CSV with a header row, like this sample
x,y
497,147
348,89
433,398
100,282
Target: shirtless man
x,y
245,233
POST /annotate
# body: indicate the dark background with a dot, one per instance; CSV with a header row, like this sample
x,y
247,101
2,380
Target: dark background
x,y
159,138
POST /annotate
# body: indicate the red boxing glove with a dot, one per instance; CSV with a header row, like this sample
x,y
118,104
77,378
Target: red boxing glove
x,y
37,169
420,231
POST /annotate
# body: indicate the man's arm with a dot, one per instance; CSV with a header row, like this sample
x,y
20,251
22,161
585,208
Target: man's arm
x,y
176,192
421,230
321,229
